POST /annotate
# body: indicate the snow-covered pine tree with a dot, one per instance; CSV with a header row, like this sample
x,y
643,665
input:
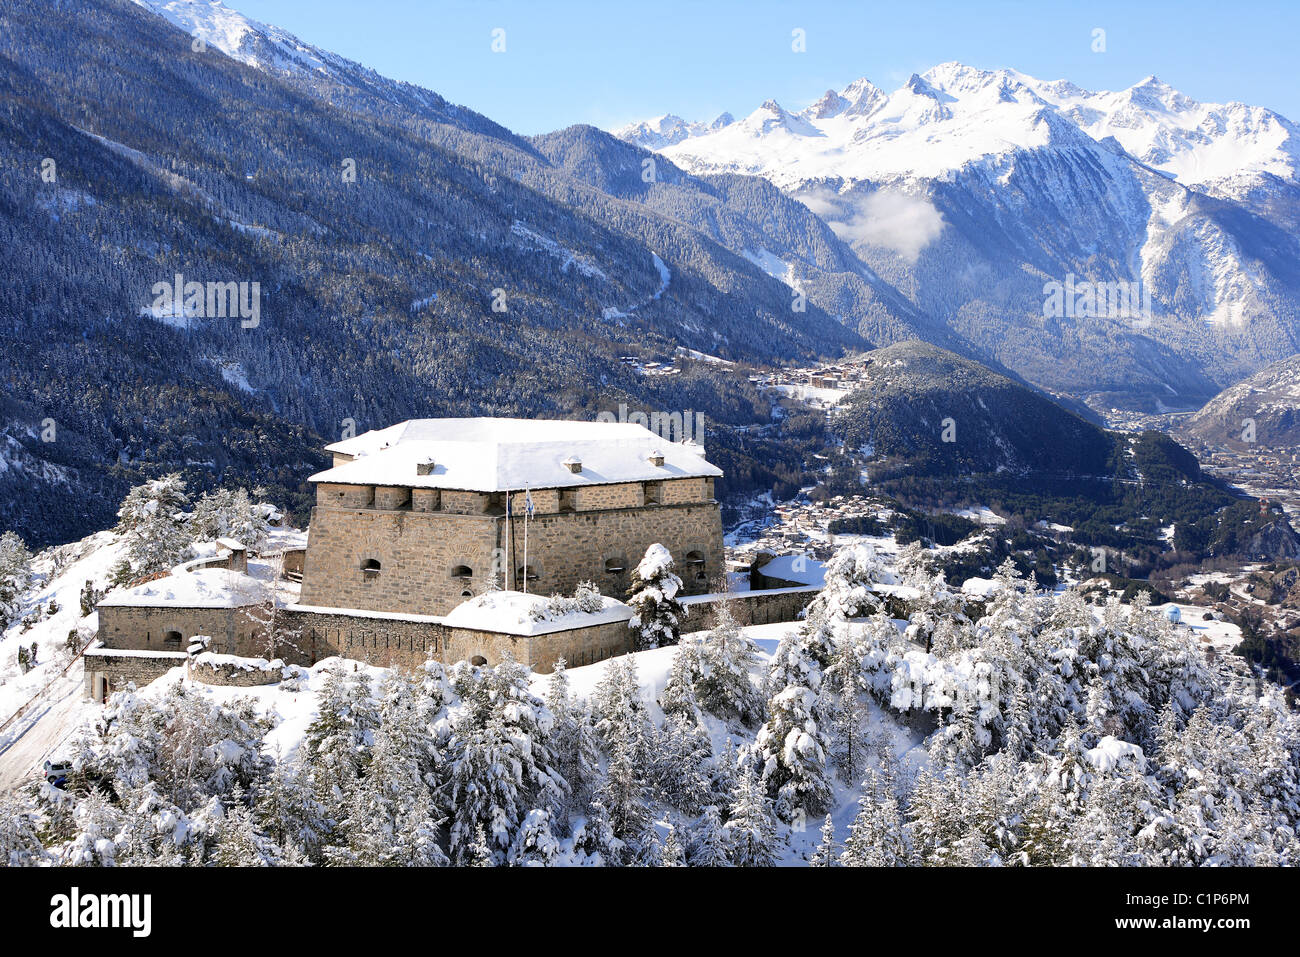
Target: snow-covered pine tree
x,y
229,513
936,620
848,712
573,739
727,656
683,762
827,853
535,844
876,834
750,827
657,613
480,854
672,855
594,842
288,811
394,820
154,831
848,591
154,525
15,575
708,845
618,707
94,841
501,760
335,748
20,842
678,696
934,815
790,748
238,843
623,792
485,792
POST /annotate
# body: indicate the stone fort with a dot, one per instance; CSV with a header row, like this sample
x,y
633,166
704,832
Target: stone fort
x,y
419,519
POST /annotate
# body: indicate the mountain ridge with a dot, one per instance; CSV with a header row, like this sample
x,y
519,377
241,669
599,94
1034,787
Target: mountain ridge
x,y
969,191
376,293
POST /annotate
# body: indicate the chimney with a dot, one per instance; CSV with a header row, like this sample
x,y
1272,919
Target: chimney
x,y
657,458
425,467
573,464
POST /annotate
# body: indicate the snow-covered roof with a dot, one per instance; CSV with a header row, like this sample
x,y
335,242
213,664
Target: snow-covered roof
x,y
364,613
201,588
513,613
496,455
796,568
979,587
134,653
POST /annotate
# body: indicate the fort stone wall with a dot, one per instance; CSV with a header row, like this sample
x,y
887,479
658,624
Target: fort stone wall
x,y
234,631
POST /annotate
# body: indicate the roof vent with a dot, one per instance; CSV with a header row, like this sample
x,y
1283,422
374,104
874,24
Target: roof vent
x,y
657,458
425,467
573,464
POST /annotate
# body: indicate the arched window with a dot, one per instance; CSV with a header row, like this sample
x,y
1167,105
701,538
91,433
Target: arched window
x,y
370,568
467,594
526,573
695,566
462,571
615,565
172,639
478,660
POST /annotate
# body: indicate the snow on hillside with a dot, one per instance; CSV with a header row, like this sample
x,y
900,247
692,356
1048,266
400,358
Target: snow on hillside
x,y
60,573
291,706
52,606
239,37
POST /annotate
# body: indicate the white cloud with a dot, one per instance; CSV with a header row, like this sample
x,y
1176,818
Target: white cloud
x,y
888,218
823,202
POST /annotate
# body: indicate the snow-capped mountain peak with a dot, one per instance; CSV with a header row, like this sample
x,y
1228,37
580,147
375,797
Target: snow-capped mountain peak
x,y
954,114
239,37
830,104
668,129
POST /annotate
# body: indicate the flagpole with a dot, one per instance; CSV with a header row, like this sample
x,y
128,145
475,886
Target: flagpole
x,y
508,578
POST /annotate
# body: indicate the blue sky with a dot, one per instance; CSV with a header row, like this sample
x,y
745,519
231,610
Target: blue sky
x,y
607,63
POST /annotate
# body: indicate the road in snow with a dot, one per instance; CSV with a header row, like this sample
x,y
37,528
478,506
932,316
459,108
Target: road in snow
x,y
26,744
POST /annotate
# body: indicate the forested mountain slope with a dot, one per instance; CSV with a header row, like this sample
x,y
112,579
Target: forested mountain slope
x,y
128,158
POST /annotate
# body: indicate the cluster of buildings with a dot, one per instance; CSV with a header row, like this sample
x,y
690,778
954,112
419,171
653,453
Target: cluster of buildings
x,y
440,537
834,376
803,527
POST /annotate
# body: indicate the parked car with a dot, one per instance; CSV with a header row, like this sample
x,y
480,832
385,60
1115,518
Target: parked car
x,y
56,772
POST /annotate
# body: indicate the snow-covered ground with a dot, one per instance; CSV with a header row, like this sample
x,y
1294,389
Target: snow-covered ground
x,y
51,692
292,706
982,514
812,395
50,696
60,575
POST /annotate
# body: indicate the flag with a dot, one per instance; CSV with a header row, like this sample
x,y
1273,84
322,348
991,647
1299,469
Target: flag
x,y
528,503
